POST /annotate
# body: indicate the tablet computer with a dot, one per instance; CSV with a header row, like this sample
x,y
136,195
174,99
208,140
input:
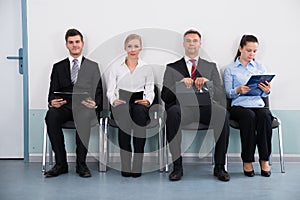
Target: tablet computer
x,y
253,82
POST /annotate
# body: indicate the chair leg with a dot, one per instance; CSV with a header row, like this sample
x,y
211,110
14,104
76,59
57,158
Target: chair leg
x,y
166,152
103,145
44,149
160,146
280,147
212,154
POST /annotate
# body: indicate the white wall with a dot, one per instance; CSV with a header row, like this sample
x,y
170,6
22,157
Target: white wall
x,y
222,23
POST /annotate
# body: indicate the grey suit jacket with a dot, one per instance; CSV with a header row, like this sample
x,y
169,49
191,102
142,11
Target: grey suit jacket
x,y
178,70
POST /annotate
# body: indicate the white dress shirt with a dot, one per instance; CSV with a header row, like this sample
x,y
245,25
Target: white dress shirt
x,y
189,63
141,79
71,61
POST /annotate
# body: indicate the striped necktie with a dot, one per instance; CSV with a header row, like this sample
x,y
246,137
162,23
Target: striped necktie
x,y
193,72
74,71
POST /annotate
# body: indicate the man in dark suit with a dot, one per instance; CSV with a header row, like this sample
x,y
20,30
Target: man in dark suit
x,y
79,83
193,71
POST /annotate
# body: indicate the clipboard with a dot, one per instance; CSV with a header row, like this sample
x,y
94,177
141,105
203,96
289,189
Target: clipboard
x,y
192,96
130,97
253,82
69,95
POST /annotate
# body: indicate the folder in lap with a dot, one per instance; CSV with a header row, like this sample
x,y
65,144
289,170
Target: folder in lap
x,y
192,96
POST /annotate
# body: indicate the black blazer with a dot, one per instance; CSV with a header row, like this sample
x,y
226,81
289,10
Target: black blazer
x,y
89,80
178,70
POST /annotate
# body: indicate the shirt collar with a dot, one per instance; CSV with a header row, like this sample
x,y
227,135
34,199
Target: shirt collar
x,y
237,63
72,58
187,59
140,62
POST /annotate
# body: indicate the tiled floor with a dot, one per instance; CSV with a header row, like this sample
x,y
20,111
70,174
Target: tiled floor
x,y
19,180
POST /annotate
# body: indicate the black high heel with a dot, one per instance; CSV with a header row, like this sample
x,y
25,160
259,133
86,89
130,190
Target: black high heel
x,y
263,172
249,173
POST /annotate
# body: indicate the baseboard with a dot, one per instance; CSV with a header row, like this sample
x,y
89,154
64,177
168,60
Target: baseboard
x,y
152,157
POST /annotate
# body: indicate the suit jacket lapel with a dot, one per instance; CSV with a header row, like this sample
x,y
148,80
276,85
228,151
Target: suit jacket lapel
x,y
183,68
199,64
67,68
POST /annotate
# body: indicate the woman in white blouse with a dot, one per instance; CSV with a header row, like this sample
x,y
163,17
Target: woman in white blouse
x,y
130,91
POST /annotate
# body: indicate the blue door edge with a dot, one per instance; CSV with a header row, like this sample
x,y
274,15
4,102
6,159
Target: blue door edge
x,y
25,80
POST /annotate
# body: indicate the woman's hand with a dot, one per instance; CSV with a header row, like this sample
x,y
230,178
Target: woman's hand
x,y
243,89
89,103
118,102
265,87
144,102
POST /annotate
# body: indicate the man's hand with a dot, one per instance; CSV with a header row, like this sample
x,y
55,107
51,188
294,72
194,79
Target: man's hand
x,y
199,82
188,82
57,103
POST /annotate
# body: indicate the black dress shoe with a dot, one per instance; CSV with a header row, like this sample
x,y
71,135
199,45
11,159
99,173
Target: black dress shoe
x,y
221,174
126,174
83,170
265,173
57,170
250,173
176,175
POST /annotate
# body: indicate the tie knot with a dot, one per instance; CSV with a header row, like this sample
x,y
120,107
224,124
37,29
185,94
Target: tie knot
x,y
193,61
75,61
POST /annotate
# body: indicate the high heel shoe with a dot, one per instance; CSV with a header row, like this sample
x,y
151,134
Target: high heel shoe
x,y
248,173
263,172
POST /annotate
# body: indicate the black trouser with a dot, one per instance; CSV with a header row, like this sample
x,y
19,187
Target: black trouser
x,y
214,115
255,129
82,117
131,116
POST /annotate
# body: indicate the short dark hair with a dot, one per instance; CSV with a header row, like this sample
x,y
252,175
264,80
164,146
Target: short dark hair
x,y
73,32
192,31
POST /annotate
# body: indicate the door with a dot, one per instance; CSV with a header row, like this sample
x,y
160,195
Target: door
x,y
11,81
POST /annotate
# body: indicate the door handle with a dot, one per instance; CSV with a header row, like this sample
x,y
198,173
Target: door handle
x,y
20,58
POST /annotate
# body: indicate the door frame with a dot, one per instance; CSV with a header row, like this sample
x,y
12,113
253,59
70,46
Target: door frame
x,y
25,79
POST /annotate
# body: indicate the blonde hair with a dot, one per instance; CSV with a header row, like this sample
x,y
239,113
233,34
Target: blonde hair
x,y
132,37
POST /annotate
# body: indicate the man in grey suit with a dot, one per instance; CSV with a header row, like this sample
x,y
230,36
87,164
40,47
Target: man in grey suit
x,y
196,72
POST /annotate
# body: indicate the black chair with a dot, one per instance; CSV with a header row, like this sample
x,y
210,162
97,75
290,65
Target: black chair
x,y
155,122
66,125
276,124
